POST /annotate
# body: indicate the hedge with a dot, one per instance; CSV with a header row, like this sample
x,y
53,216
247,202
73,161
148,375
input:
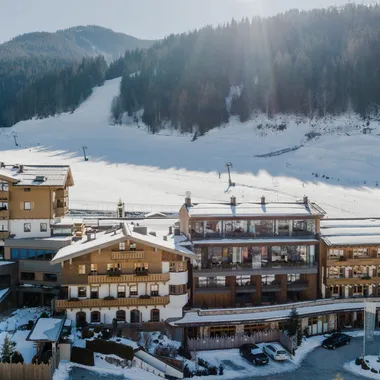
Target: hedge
x,y
82,356
107,348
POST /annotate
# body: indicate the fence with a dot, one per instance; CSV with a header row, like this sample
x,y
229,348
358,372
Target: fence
x,y
25,371
226,342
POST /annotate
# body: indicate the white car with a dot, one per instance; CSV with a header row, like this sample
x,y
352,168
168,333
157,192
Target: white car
x,y
276,352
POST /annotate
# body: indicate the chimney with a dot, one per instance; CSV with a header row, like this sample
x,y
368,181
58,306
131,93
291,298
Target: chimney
x,y
21,169
165,238
262,200
141,230
233,201
188,199
177,231
170,230
305,200
2,165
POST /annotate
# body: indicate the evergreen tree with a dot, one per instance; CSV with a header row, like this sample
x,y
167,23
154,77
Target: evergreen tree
x,y
294,326
7,350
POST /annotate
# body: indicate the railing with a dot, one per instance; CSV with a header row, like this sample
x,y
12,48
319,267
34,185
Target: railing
x,y
246,288
180,266
128,278
127,255
4,194
298,285
62,193
4,234
118,302
353,280
344,261
251,235
4,214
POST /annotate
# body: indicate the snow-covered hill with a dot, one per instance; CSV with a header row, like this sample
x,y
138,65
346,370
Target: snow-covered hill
x,y
331,161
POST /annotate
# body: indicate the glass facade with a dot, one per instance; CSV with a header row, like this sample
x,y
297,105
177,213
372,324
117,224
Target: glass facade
x,y
253,257
32,254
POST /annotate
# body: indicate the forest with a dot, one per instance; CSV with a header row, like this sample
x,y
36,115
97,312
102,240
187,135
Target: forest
x,y
305,63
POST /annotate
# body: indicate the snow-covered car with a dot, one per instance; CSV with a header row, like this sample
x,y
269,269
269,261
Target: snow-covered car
x,y
253,354
276,352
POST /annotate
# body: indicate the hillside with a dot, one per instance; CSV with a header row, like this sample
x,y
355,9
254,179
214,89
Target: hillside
x,y
335,163
27,58
316,63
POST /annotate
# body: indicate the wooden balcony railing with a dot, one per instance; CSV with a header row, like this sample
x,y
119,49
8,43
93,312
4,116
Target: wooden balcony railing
x,y
128,278
4,194
179,266
117,302
61,193
4,234
353,281
344,261
4,214
127,255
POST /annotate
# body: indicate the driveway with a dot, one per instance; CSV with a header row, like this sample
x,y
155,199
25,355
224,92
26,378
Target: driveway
x,y
323,364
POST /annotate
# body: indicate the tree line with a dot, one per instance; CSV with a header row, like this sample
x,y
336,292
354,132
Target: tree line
x,y
306,63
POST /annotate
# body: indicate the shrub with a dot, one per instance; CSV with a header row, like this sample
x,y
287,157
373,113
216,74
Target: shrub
x,y
184,353
221,370
109,298
212,370
145,296
35,360
365,366
106,347
85,331
374,370
203,363
82,356
358,361
30,324
74,299
97,329
44,314
186,372
90,334
17,358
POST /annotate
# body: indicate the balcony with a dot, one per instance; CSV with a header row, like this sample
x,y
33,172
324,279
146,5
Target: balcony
x,y
117,302
4,195
352,281
127,278
212,289
61,208
127,255
298,285
276,267
4,214
246,289
274,286
344,261
62,193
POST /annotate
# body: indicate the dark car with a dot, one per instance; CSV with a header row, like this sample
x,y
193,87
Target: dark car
x,y
253,354
336,340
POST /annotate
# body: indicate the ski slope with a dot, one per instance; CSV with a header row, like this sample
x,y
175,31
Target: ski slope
x,y
337,169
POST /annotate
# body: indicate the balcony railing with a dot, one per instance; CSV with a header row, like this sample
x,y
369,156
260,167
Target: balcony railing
x,y
62,193
4,234
352,280
127,278
298,285
4,194
127,255
4,214
117,302
345,261
248,235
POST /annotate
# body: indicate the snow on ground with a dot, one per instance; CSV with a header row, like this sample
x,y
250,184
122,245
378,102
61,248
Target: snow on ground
x,y
153,172
372,362
25,347
20,317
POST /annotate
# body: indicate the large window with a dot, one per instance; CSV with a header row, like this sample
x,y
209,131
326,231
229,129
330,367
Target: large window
x,y
336,253
141,268
94,292
212,282
213,228
95,317
155,315
360,252
113,267
154,290
293,278
81,269
255,327
121,291
28,276
32,254
50,277
243,280
264,227
122,246
120,315
94,269
236,227
133,291
283,227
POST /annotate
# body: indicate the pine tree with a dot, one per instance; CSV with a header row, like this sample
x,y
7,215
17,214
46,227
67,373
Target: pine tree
x,y
294,328
7,350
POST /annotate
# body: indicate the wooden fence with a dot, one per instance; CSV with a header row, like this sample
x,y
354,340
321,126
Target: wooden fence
x,y
226,342
25,371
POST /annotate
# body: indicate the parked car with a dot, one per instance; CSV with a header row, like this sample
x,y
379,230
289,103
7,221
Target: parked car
x,y
335,340
276,352
253,354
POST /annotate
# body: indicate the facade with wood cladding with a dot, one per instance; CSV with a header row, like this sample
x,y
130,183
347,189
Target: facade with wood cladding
x,y
251,254
123,274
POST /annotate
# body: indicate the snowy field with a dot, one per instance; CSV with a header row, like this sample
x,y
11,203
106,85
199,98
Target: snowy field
x,y
337,168
372,362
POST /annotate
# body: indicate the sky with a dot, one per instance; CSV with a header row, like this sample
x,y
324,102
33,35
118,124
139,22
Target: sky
x,y
148,19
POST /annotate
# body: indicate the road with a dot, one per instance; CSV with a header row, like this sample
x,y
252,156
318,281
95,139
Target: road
x,y
320,364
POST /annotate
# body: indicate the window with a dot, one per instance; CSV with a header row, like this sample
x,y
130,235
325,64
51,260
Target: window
x,y
293,278
155,315
82,291
122,246
27,227
212,282
27,276
133,290
27,206
378,252
283,227
120,315
141,268
43,227
176,266
27,189
95,317
81,269
4,186
253,328
172,266
243,280
32,254
121,291
3,206
219,331
357,289
94,292
113,267
360,252
50,277
177,289
336,253
154,290
132,246
94,269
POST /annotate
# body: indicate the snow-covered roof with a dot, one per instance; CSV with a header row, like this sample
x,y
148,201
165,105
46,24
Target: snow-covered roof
x,y
275,209
118,234
47,329
351,231
247,315
38,175
3,293
6,262
289,240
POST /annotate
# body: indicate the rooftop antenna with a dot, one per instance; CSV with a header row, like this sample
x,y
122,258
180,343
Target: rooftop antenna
x,y
229,166
84,153
15,138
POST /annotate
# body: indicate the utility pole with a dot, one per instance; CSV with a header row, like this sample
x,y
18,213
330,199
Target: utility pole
x,y
84,153
229,166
